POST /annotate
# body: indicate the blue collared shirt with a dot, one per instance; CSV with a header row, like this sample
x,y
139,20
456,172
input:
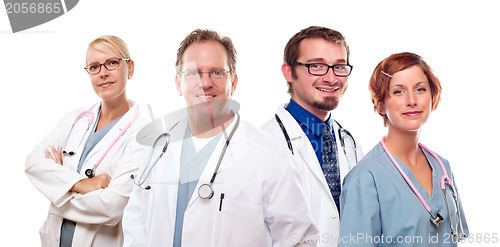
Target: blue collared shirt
x,y
311,125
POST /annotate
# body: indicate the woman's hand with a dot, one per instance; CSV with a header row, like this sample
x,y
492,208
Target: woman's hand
x,y
87,185
56,155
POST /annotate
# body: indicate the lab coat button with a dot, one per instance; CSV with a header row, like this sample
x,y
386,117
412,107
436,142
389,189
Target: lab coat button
x,y
334,214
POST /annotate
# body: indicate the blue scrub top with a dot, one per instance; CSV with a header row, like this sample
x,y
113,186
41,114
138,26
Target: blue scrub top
x,y
192,165
380,209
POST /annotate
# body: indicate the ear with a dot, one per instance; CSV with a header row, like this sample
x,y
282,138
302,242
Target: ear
x,y
381,110
178,85
234,83
131,66
286,69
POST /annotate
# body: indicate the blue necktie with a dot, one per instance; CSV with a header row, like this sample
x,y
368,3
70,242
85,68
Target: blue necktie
x,y
330,164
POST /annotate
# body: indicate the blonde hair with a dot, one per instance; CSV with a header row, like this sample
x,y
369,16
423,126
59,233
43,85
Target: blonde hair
x,y
113,43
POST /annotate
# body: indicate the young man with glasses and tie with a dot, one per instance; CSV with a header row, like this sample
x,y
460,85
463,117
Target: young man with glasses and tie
x,y
316,68
219,183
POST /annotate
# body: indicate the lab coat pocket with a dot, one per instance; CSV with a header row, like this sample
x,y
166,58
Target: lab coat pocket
x,y
240,224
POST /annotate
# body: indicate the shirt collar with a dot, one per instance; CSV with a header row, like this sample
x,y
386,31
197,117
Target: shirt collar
x,y
307,119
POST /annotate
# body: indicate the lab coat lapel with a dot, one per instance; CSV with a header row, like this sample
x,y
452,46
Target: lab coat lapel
x,y
302,146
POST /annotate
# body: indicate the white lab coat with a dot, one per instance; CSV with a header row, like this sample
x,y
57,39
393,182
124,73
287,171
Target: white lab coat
x,y
98,213
319,198
263,203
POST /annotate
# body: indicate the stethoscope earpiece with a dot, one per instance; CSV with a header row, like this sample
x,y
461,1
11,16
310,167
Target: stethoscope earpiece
x,y
70,153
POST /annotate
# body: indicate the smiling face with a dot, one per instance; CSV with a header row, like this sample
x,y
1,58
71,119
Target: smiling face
x,y
408,103
317,94
205,57
109,85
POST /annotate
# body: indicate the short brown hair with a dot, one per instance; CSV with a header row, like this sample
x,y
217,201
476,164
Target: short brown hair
x,y
292,47
199,35
381,77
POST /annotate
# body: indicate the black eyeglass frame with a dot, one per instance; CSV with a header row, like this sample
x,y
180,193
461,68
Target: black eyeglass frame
x,y
308,65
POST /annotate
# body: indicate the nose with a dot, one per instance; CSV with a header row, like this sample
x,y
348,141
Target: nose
x,y
103,72
411,99
206,81
330,77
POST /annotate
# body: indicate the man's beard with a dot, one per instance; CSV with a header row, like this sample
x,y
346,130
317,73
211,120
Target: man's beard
x,y
327,104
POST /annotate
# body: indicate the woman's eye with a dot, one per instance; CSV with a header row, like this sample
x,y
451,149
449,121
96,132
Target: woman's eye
x,y
113,62
421,90
398,92
93,67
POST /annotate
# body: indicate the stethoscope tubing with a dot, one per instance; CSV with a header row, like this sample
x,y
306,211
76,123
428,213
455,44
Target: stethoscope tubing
x,y
148,168
205,191
144,175
340,130
134,117
91,117
412,186
91,172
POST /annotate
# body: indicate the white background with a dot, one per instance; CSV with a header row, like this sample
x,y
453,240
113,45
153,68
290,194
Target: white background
x,y
42,77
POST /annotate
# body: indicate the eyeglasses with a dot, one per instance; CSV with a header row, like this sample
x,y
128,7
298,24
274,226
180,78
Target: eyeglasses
x,y
110,64
322,69
216,75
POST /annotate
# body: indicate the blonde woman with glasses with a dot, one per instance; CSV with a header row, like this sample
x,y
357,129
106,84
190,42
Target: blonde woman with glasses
x,y
84,165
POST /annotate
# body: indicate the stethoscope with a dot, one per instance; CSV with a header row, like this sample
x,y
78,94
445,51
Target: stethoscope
x,y
205,191
90,173
435,218
341,137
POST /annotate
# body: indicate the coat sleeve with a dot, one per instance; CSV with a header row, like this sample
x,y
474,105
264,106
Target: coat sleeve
x,y
53,180
286,213
360,211
105,206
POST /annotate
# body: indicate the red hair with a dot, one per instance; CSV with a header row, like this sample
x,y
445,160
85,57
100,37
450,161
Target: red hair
x,y
381,77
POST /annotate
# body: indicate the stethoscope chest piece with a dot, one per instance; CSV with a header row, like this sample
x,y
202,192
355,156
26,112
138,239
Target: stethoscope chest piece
x,y
89,173
205,191
436,219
